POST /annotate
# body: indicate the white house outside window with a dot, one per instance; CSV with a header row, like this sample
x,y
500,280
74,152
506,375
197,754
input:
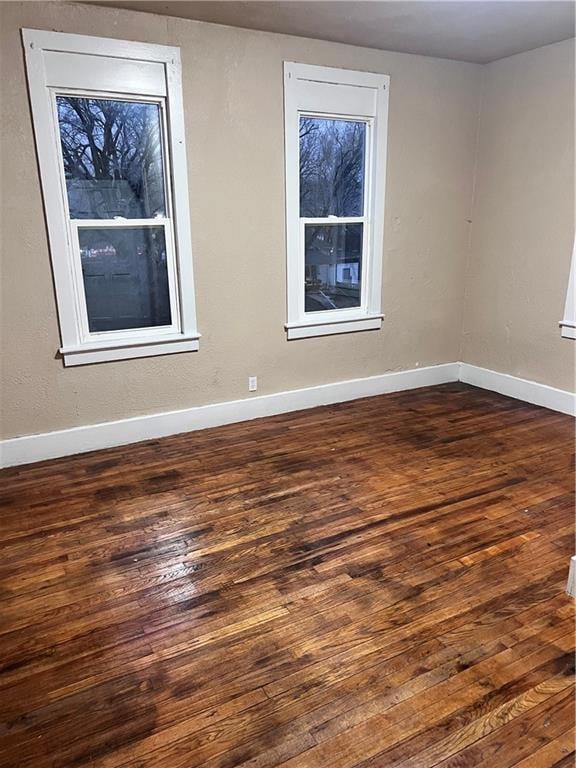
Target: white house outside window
x,y
109,130
335,138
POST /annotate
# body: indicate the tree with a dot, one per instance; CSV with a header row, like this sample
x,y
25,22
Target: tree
x,y
331,167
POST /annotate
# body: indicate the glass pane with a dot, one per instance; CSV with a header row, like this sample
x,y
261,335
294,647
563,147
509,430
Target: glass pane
x,y
333,266
331,167
125,277
112,152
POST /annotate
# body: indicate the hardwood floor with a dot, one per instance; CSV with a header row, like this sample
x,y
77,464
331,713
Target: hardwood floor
x,y
377,584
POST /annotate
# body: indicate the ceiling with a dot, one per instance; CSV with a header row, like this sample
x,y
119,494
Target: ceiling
x,y
468,30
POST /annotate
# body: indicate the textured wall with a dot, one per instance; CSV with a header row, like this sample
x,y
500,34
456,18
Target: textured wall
x,y
523,218
234,123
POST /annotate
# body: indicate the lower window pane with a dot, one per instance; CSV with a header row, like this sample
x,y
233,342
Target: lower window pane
x,y
125,277
333,266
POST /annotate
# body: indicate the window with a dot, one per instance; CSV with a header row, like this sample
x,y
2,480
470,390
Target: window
x,y
109,128
335,138
568,322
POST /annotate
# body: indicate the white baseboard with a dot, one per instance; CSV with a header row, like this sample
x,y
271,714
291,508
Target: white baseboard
x,y
50,445
521,389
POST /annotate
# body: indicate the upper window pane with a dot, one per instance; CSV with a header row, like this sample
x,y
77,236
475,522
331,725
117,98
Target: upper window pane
x,y
112,152
332,156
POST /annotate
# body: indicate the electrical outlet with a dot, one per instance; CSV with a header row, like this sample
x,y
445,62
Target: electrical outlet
x,y
252,383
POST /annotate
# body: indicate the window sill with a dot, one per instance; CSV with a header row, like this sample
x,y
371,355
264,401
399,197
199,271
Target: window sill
x,y
307,329
117,350
568,330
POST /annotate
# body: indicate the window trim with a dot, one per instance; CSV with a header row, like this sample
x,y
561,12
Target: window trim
x,y
568,322
154,74
369,103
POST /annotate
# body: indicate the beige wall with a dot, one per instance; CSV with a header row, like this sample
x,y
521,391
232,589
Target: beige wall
x,y
523,218
234,123
502,280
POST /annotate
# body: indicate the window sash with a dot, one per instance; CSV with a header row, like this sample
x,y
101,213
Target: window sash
x,y
335,315
321,220
116,96
74,225
88,336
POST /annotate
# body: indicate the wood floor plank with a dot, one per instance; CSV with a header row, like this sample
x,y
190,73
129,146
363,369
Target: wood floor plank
x,y
552,753
375,584
520,740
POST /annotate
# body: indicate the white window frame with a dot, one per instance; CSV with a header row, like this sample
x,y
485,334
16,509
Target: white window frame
x,y
568,322
342,94
59,63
